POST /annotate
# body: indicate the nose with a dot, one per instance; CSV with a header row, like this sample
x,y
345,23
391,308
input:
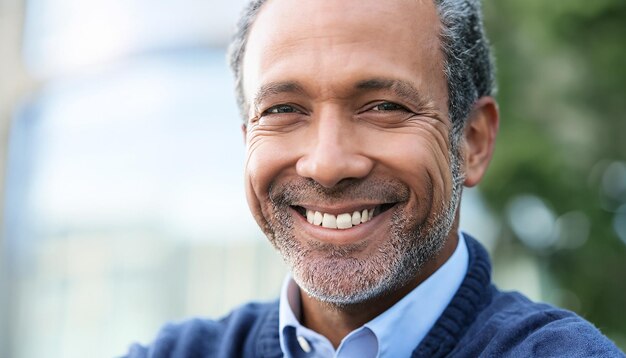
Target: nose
x,y
334,153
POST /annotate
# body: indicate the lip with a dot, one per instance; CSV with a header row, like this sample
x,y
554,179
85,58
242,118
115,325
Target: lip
x,y
349,236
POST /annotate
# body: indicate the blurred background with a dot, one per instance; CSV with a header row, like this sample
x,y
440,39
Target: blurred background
x,y
123,203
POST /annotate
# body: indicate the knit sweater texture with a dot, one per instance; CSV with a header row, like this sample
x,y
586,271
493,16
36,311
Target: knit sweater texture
x,y
480,321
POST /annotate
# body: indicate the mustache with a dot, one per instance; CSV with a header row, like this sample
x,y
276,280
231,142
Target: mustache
x,y
306,190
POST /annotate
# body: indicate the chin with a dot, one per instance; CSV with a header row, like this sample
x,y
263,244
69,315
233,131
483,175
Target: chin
x,y
349,275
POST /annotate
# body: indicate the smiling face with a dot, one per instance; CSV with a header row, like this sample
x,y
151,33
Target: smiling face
x,y
348,167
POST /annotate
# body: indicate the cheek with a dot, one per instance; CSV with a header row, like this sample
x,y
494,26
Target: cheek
x,y
419,160
268,157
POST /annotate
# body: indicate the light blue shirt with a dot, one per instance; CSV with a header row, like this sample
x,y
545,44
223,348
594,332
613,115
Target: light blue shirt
x,y
394,333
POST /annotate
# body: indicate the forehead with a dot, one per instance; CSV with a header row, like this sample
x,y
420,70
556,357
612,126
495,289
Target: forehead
x,y
370,38
367,16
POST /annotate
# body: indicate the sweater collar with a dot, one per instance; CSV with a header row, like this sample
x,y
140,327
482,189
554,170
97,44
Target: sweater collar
x,y
471,298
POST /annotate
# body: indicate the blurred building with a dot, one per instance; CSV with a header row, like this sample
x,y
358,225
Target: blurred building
x,y
123,206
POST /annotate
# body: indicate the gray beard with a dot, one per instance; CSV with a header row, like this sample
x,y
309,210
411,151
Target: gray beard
x,y
336,274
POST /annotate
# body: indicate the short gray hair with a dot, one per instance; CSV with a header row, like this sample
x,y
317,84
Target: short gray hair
x,y
468,66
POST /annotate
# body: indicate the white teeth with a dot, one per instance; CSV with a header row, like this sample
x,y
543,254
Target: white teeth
x,y
318,218
344,221
330,221
364,216
341,221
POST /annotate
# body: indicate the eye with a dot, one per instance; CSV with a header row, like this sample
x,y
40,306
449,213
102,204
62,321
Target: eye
x,y
280,116
281,108
388,106
385,113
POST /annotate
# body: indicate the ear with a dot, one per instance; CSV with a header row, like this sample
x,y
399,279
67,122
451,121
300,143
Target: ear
x,y
244,132
480,137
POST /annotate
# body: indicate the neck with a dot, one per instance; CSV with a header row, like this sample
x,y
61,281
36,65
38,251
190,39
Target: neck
x,y
336,321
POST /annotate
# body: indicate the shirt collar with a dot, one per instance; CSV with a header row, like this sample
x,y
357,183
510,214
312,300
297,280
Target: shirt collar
x,y
414,315
288,309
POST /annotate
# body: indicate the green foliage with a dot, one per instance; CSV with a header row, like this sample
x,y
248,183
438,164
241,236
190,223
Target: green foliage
x,y
562,95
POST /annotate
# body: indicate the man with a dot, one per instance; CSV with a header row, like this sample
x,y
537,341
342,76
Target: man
x,y
363,120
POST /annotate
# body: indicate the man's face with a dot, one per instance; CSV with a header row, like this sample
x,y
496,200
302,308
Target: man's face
x,y
348,114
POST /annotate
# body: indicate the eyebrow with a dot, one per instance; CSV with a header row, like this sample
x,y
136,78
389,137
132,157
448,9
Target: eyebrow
x,y
275,88
401,88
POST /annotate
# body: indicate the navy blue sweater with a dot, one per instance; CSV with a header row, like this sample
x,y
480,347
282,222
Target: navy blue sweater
x,y
480,321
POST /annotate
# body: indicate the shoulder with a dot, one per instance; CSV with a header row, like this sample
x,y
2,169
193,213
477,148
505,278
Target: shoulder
x,y
513,325
233,335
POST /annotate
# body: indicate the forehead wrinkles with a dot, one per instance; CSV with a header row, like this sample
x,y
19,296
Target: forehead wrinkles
x,y
303,13
286,28
285,24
